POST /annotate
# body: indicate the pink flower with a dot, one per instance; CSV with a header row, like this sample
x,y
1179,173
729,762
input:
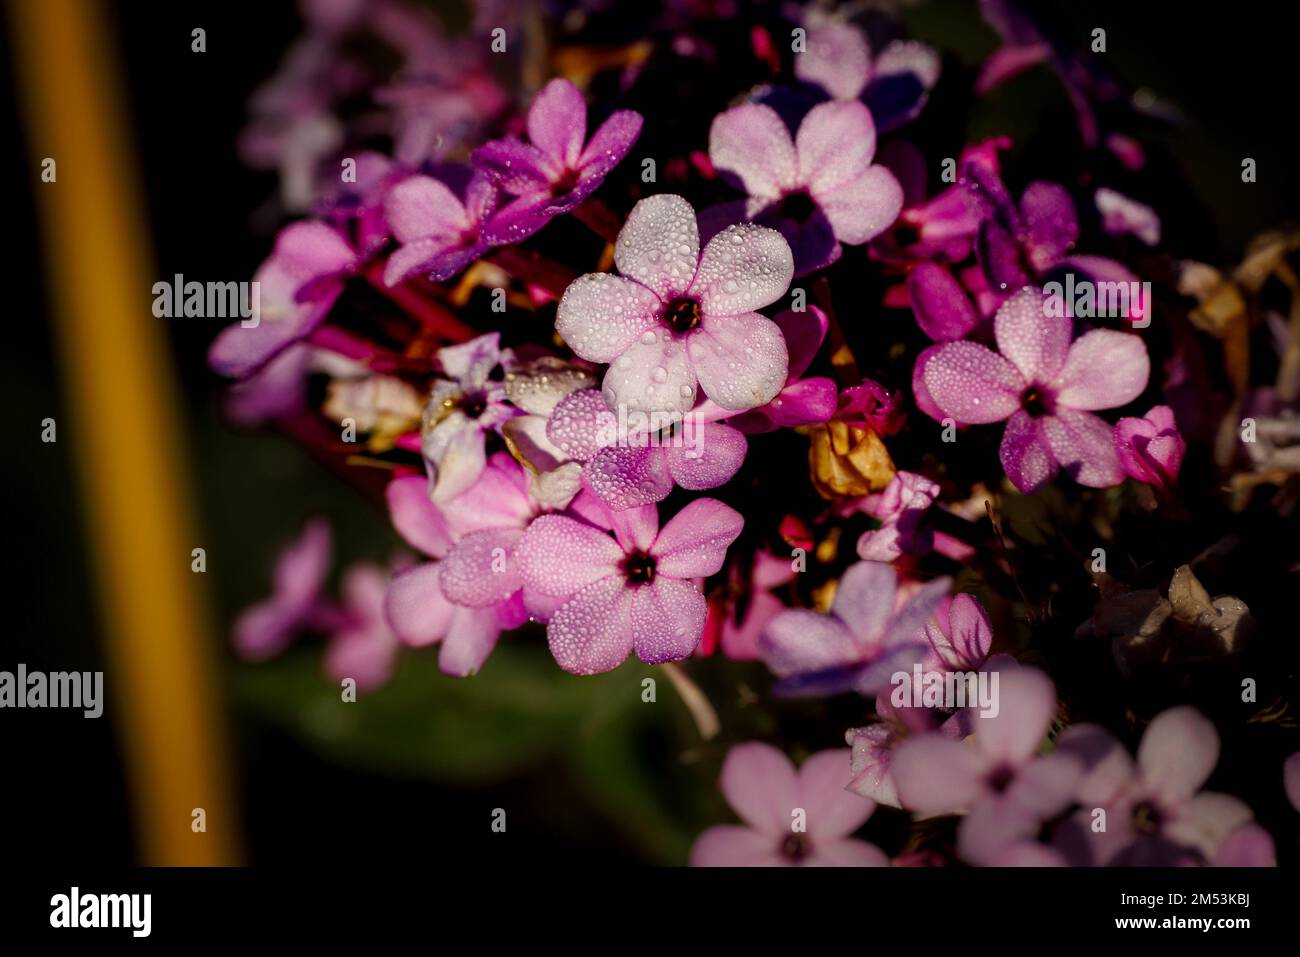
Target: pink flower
x,y
264,630
439,233
793,818
819,189
901,509
1150,448
996,777
960,635
297,286
681,318
871,632
634,591
472,592
1044,386
464,405
736,621
556,172
364,647
1156,813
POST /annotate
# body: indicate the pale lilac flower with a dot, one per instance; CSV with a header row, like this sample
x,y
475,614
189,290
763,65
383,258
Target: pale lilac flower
x,y
1044,386
996,777
681,319
819,189
464,405
901,509
871,632
556,172
1156,813
793,818
276,390
440,233
265,629
1150,448
1121,215
634,591
297,286
895,83
363,647
472,591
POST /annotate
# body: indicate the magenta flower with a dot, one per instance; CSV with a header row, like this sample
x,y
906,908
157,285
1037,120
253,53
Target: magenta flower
x,y
472,592
1150,448
297,286
464,405
681,319
630,463
634,591
819,189
1044,386
264,630
1006,790
556,172
439,233
942,309
871,632
364,647
1156,813
793,818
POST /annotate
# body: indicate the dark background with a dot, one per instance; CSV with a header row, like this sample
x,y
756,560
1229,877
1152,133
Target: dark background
x,y
1229,68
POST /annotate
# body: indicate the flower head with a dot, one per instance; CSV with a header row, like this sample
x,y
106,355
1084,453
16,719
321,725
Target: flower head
x,y
1044,386
560,167
633,591
440,233
1150,448
265,629
677,319
793,818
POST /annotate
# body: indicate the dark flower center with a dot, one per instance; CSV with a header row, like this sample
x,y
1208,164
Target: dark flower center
x,y
1037,402
565,184
473,405
639,568
1000,778
1146,818
682,314
798,206
796,847
906,235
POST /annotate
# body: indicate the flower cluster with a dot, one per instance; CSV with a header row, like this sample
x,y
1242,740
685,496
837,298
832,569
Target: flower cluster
x,y
548,323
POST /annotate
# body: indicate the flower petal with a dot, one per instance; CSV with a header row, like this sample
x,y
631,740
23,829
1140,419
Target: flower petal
x,y
1178,751
937,775
581,424
1027,702
592,632
864,599
625,477
835,143
743,268
750,144
1035,341
799,641
728,845
557,122
760,784
1104,369
741,360
480,570
416,518
694,543
1084,446
1026,454
714,456
609,144
415,607
837,58
421,207
518,168
659,245
653,376
941,306
863,207
471,636
667,619
972,384
559,555
833,811
600,315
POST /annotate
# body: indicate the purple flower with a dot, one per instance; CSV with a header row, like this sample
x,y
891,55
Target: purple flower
x,y
1121,215
264,630
472,592
871,632
996,776
1150,448
1044,386
439,234
1155,811
462,408
896,83
942,309
634,591
682,319
802,818
555,172
818,189
297,286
